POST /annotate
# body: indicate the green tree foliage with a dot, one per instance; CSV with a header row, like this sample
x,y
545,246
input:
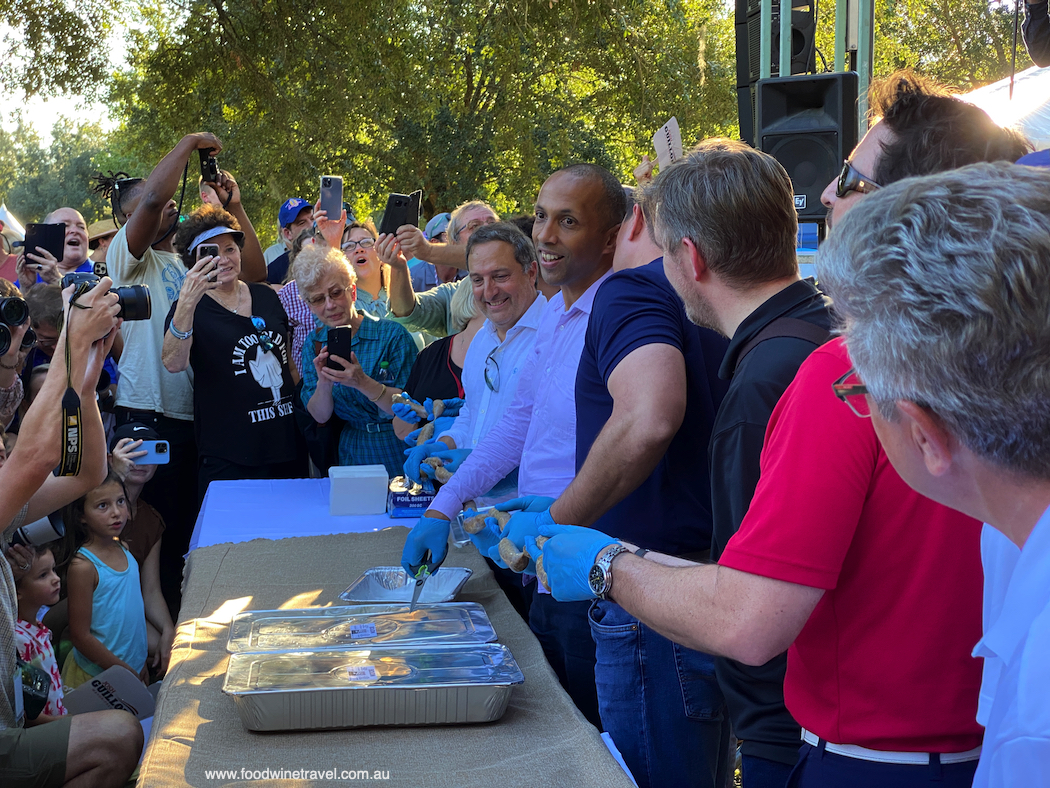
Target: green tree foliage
x,y
36,179
460,98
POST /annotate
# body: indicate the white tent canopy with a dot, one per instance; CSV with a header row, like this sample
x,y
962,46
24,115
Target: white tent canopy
x,y
1029,109
13,229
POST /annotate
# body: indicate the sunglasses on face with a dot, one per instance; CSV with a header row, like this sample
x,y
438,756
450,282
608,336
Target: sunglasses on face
x,y
851,180
264,340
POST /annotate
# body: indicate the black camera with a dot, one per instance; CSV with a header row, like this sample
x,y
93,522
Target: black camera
x,y
42,531
209,167
134,300
13,312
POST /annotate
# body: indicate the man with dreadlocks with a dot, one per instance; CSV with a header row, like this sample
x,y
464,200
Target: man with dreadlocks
x,y
142,252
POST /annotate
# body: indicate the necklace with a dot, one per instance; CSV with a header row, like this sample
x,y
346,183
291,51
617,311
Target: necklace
x,y
236,304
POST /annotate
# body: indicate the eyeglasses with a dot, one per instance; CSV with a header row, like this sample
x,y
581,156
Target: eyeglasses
x,y
474,224
850,390
264,340
850,180
492,370
336,294
364,243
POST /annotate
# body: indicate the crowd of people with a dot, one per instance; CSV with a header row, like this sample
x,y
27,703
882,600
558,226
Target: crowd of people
x,y
745,508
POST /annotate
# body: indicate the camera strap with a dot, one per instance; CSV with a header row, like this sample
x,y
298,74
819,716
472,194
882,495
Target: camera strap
x,y
72,420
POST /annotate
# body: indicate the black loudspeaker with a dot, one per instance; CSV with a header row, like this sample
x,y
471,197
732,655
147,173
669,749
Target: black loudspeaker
x,y
809,124
748,49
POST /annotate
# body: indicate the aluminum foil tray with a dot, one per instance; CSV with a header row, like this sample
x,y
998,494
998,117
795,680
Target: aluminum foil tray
x,y
315,628
387,685
392,584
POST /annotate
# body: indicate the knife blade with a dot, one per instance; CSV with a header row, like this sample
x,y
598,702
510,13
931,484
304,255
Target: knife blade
x,y
421,576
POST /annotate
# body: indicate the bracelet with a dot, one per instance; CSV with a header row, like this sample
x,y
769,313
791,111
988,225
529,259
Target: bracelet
x,y
179,334
379,396
13,366
641,551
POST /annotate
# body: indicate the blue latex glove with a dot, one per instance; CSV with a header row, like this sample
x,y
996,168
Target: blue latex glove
x,y
452,458
452,407
487,538
430,533
443,424
527,503
415,457
522,525
405,413
568,557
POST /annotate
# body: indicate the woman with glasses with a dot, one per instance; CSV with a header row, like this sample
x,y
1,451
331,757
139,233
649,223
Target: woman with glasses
x,y
360,389
373,277
234,336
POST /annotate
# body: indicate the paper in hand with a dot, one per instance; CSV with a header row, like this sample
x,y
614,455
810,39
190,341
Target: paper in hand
x,y
668,143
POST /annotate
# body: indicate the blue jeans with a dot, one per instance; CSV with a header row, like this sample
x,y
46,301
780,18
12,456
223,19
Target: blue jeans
x,y
660,702
817,768
561,629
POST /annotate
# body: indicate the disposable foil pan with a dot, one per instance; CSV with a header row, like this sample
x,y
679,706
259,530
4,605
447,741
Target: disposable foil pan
x,y
315,628
386,685
392,584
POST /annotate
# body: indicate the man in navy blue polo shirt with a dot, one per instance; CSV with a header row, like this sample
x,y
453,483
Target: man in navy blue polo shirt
x,y
647,391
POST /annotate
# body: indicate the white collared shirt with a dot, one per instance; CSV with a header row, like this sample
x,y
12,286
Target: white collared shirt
x,y
1015,693
484,407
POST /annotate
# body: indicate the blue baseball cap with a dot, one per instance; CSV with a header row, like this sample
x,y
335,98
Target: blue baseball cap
x,y
437,225
1041,158
291,209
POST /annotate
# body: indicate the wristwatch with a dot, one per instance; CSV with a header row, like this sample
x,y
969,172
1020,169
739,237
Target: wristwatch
x,y
600,576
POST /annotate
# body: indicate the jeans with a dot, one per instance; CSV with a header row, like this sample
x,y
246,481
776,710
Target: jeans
x,y
817,768
561,628
173,492
660,702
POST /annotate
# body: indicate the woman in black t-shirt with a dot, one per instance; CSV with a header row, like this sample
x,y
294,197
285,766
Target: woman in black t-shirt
x,y
242,382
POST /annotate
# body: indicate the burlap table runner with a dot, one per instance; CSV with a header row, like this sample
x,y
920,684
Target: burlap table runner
x,y
542,740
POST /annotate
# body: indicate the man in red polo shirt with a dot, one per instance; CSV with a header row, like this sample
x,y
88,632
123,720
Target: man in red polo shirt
x,y
872,588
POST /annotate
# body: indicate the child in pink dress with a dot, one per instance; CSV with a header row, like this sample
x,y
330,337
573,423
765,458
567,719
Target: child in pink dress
x,y
38,587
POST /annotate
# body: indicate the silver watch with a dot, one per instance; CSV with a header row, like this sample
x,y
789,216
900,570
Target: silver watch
x,y
600,576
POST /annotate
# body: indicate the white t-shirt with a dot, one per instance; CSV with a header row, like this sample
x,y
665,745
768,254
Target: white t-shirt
x,y
144,383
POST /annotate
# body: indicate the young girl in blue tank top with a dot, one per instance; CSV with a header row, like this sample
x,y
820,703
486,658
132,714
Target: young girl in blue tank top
x,y
107,620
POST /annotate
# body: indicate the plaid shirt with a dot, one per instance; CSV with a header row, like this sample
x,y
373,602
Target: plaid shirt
x,y
376,340
300,319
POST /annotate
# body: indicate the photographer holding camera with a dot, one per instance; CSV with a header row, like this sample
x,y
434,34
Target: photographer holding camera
x,y
143,252
99,748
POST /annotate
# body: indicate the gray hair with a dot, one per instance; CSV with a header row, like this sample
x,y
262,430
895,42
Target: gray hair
x,y
943,287
462,309
735,204
454,226
510,234
314,262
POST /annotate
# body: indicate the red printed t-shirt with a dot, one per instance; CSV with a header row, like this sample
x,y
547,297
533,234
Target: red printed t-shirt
x,y
884,660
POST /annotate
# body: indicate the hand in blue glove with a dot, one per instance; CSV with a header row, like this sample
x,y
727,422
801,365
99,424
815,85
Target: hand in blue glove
x,y
522,525
405,413
452,406
415,457
527,503
568,557
430,533
487,538
452,459
443,424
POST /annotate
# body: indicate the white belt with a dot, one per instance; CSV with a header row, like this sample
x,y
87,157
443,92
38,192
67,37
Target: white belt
x,y
882,756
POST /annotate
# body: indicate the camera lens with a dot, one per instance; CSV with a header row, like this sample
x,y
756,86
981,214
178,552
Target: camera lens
x,y
13,311
28,339
135,303
5,339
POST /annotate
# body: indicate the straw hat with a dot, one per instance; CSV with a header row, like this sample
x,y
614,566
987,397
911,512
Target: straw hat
x,y
101,229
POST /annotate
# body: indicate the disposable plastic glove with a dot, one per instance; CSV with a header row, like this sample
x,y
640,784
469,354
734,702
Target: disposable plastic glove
x,y
527,503
416,455
405,413
452,406
488,537
430,533
452,459
522,525
568,557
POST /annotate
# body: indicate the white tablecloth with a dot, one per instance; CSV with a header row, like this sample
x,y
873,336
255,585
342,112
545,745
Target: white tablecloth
x,y
239,511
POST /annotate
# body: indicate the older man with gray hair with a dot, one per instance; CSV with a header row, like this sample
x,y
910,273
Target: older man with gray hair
x,y
945,290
